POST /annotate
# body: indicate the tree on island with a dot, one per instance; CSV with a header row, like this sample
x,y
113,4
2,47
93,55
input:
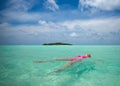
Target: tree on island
x,y
57,43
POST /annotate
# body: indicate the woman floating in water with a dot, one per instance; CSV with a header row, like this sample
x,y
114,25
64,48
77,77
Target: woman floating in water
x,y
72,61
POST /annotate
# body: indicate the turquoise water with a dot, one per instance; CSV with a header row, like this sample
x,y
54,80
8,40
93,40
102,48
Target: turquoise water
x,y
17,68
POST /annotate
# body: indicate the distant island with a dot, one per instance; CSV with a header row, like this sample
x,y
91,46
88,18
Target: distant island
x,y
57,43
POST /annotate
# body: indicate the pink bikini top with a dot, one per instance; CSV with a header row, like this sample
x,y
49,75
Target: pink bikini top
x,y
75,58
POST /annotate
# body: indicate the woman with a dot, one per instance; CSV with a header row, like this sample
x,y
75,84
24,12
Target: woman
x,y
72,61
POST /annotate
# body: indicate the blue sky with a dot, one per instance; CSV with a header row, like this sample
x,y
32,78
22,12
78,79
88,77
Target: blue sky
x,y
69,21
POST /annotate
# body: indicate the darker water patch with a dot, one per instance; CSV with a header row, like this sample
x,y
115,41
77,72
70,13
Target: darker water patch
x,y
77,71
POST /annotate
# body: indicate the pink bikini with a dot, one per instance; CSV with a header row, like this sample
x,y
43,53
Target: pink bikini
x,y
75,58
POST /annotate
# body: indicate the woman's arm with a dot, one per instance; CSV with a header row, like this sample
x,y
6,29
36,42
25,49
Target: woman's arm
x,y
100,60
43,61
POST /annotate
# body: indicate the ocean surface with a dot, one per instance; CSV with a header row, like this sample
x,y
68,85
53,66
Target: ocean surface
x,y
17,68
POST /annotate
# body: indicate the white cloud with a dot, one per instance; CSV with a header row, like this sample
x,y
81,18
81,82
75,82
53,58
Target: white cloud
x,y
51,5
79,30
4,25
42,22
103,25
17,10
42,27
99,25
101,4
74,34
20,16
19,5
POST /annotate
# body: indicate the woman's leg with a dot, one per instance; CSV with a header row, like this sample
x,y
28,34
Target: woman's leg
x,y
66,66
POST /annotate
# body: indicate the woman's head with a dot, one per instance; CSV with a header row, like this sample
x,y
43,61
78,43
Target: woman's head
x,y
88,55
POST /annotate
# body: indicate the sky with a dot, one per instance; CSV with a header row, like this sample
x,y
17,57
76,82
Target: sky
x,y
34,22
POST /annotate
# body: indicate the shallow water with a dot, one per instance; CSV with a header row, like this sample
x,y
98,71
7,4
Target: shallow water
x,y
17,68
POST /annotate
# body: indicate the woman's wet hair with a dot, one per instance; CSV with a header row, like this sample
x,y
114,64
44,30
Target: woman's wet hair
x,y
88,55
